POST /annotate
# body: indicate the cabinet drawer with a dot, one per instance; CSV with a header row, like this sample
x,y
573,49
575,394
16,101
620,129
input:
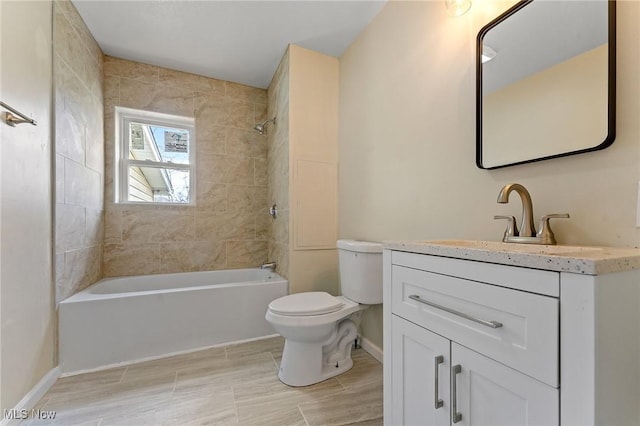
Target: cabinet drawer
x,y
537,281
525,339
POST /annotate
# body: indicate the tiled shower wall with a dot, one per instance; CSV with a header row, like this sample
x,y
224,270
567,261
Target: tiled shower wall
x,y
79,148
227,228
278,168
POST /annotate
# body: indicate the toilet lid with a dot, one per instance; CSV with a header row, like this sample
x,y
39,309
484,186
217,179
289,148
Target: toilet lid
x,y
302,304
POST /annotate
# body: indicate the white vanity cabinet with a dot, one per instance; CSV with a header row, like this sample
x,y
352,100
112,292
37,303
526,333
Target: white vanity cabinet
x,y
471,342
486,393
420,382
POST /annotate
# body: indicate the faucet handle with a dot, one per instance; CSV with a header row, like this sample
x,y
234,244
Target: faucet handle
x,y
545,233
512,228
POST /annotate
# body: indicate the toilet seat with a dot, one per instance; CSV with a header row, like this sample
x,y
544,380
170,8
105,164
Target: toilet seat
x,y
306,304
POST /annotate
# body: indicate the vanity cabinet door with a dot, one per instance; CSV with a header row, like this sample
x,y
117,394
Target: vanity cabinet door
x,y
490,393
421,375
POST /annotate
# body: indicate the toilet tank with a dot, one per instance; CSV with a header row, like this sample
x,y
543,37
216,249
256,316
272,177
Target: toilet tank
x,y
360,271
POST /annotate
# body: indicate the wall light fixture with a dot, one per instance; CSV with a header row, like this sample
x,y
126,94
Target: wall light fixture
x,y
457,7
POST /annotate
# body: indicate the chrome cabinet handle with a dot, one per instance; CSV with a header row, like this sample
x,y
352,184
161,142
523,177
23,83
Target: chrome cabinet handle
x,y
492,324
437,401
455,370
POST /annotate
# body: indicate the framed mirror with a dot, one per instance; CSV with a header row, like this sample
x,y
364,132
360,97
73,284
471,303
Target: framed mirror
x,y
545,82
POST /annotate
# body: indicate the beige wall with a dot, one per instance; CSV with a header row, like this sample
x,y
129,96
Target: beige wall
x,y
79,148
407,141
313,158
26,284
228,226
278,165
303,96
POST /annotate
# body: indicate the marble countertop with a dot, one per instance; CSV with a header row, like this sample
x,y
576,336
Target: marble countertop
x,y
575,259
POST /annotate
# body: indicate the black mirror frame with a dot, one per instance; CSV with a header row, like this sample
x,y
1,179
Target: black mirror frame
x,y
611,87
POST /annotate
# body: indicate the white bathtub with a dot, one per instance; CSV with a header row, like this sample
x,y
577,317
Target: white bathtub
x,y
124,320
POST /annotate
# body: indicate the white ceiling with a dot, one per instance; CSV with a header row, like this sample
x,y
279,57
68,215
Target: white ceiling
x,y
234,40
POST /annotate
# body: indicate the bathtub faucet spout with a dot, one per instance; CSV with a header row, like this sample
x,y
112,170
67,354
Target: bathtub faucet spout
x,y
269,265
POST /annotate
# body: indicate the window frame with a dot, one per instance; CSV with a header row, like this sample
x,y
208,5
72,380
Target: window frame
x,y
125,116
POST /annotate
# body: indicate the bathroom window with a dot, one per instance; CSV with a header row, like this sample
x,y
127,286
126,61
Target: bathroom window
x,y
155,158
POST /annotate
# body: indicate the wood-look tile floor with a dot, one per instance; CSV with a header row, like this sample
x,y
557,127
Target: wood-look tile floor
x,y
233,385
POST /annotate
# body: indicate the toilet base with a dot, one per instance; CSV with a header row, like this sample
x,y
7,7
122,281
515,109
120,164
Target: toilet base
x,y
307,363
289,373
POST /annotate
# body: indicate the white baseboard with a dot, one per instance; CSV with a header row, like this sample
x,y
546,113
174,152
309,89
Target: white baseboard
x,y
371,349
30,400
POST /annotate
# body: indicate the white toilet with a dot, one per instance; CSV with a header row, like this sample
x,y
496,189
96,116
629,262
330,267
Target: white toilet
x,y
316,325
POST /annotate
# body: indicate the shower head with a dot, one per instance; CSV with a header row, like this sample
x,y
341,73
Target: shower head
x,y
262,127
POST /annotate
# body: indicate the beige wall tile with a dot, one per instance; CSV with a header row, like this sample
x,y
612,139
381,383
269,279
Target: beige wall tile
x,y
260,172
210,138
70,227
70,136
130,70
280,228
71,93
281,128
111,88
68,9
109,187
221,226
79,144
70,44
239,114
65,38
131,259
279,253
227,150
211,196
210,109
158,224
113,226
198,83
246,254
59,271
153,97
263,223
93,75
94,147
247,198
192,256
82,186
277,166
260,113
59,194
246,143
246,93
94,228
225,169
81,269
278,175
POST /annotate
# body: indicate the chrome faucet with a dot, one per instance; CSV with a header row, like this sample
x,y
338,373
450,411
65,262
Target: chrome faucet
x,y
269,265
527,233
